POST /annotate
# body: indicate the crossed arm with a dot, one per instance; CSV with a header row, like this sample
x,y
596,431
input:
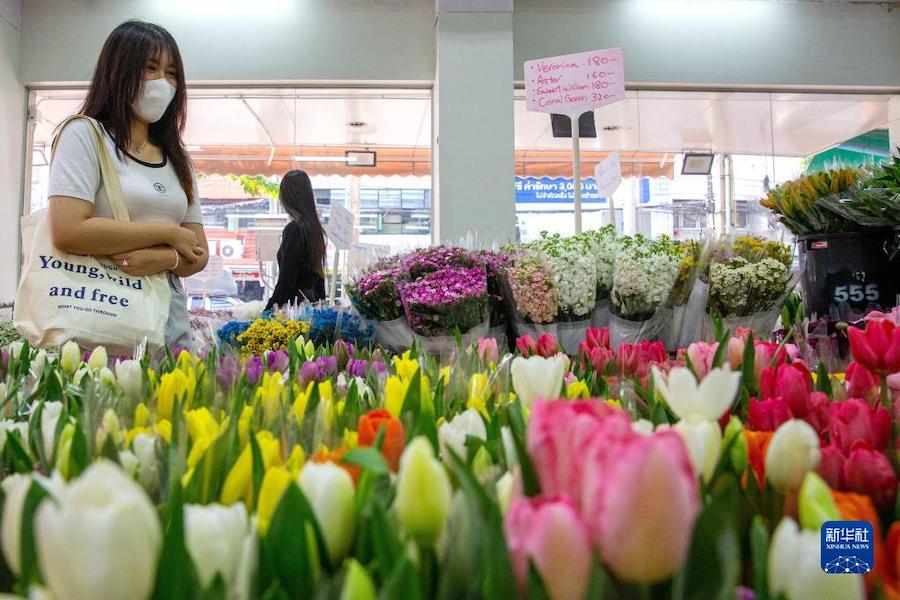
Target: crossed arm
x,y
148,248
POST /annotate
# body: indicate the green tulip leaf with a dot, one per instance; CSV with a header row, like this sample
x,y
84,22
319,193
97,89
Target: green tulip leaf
x,y
368,459
27,543
759,551
176,576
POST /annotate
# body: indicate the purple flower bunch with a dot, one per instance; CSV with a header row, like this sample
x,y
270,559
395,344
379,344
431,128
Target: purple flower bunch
x,y
445,300
358,367
428,260
374,292
320,369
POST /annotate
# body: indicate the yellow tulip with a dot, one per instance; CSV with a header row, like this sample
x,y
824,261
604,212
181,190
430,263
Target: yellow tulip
x,y
141,415
269,394
394,395
201,423
479,392
244,424
164,429
577,390
295,460
274,484
406,366
445,374
351,439
238,483
174,386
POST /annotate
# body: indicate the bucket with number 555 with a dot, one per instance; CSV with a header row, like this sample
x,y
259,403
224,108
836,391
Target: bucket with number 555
x,y
849,274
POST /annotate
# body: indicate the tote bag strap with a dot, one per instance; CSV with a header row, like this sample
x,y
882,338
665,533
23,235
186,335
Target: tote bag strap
x,y
108,172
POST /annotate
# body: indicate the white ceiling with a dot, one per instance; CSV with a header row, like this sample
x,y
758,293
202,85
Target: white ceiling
x,y
650,121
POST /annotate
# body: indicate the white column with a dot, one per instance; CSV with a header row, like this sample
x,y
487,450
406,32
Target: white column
x,y
474,139
12,124
894,123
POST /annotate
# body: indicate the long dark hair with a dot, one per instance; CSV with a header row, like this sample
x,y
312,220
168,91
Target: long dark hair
x,y
297,198
119,79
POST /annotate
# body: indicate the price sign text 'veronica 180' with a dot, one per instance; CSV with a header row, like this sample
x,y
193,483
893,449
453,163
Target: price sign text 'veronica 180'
x,y
575,83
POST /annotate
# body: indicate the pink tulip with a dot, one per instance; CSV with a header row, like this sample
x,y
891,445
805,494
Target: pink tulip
x,y
735,352
817,407
642,505
527,346
854,420
635,360
764,353
560,432
767,415
792,383
488,350
549,534
598,358
596,338
831,467
547,345
861,383
701,355
877,347
869,472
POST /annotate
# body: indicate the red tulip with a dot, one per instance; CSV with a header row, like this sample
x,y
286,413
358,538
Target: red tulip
x,y
861,383
596,337
767,415
394,440
869,472
547,345
598,358
792,383
854,420
764,352
877,347
831,467
817,407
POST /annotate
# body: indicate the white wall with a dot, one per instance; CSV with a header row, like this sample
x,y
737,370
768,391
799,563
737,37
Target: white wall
x,y
220,40
760,42
12,123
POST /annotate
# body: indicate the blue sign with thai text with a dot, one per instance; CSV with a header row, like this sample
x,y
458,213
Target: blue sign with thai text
x,y
547,190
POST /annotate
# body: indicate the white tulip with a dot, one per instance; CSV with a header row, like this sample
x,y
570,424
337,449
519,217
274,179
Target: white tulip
x,y
243,583
214,535
453,434
330,492
130,377
49,418
793,452
38,363
101,540
129,463
106,377
110,426
642,426
98,358
505,486
7,426
16,487
71,357
795,570
706,401
703,441
422,503
537,377
15,350
144,448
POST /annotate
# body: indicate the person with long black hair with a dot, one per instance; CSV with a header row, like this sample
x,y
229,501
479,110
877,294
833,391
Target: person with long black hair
x,y
301,256
138,96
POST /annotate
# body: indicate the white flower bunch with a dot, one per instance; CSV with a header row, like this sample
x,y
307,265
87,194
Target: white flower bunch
x,y
602,244
576,275
643,278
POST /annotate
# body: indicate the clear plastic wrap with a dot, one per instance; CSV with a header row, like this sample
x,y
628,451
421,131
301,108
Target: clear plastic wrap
x,y
529,286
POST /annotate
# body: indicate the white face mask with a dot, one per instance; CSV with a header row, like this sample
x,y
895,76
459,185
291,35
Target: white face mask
x,y
155,99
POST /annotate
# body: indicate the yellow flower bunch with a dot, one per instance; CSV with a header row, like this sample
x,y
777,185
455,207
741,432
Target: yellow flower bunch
x,y
268,334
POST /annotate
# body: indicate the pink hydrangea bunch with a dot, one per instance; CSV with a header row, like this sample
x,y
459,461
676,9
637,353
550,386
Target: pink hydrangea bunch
x,y
533,288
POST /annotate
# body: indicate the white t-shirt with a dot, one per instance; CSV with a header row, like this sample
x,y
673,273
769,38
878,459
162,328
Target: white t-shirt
x,y
151,192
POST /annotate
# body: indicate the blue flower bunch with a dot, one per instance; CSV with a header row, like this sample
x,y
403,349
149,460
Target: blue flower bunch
x,y
229,332
328,324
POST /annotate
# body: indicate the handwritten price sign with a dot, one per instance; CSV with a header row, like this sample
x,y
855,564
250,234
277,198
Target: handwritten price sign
x,y
340,226
575,83
608,175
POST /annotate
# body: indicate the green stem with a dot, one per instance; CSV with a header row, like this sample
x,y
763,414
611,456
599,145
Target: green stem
x,y
885,393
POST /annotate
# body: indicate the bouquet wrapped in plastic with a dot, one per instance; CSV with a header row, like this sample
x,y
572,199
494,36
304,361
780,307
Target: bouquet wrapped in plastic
x,y
495,264
643,279
689,295
749,277
530,286
602,245
444,293
328,324
374,294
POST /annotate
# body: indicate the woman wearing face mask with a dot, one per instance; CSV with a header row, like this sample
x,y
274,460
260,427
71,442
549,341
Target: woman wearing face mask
x,y
138,96
301,257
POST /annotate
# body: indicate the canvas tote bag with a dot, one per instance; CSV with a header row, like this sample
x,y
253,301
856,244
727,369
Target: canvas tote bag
x,y
87,299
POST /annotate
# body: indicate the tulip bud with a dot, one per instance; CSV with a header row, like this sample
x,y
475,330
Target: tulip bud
x,y
869,472
214,536
15,350
49,418
330,492
38,363
341,352
793,452
110,426
537,377
423,493
795,571
703,441
130,377
15,488
357,583
816,504
487,350
71,357
549,534
739,452
454,434
144,448
130,463
505,491
105,523
98,358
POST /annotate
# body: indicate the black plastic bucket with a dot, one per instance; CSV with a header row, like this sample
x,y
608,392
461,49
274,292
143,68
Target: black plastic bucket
x,y
848,274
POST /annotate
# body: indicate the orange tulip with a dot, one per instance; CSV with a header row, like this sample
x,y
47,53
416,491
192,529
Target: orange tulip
x,y
394,438
757,446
